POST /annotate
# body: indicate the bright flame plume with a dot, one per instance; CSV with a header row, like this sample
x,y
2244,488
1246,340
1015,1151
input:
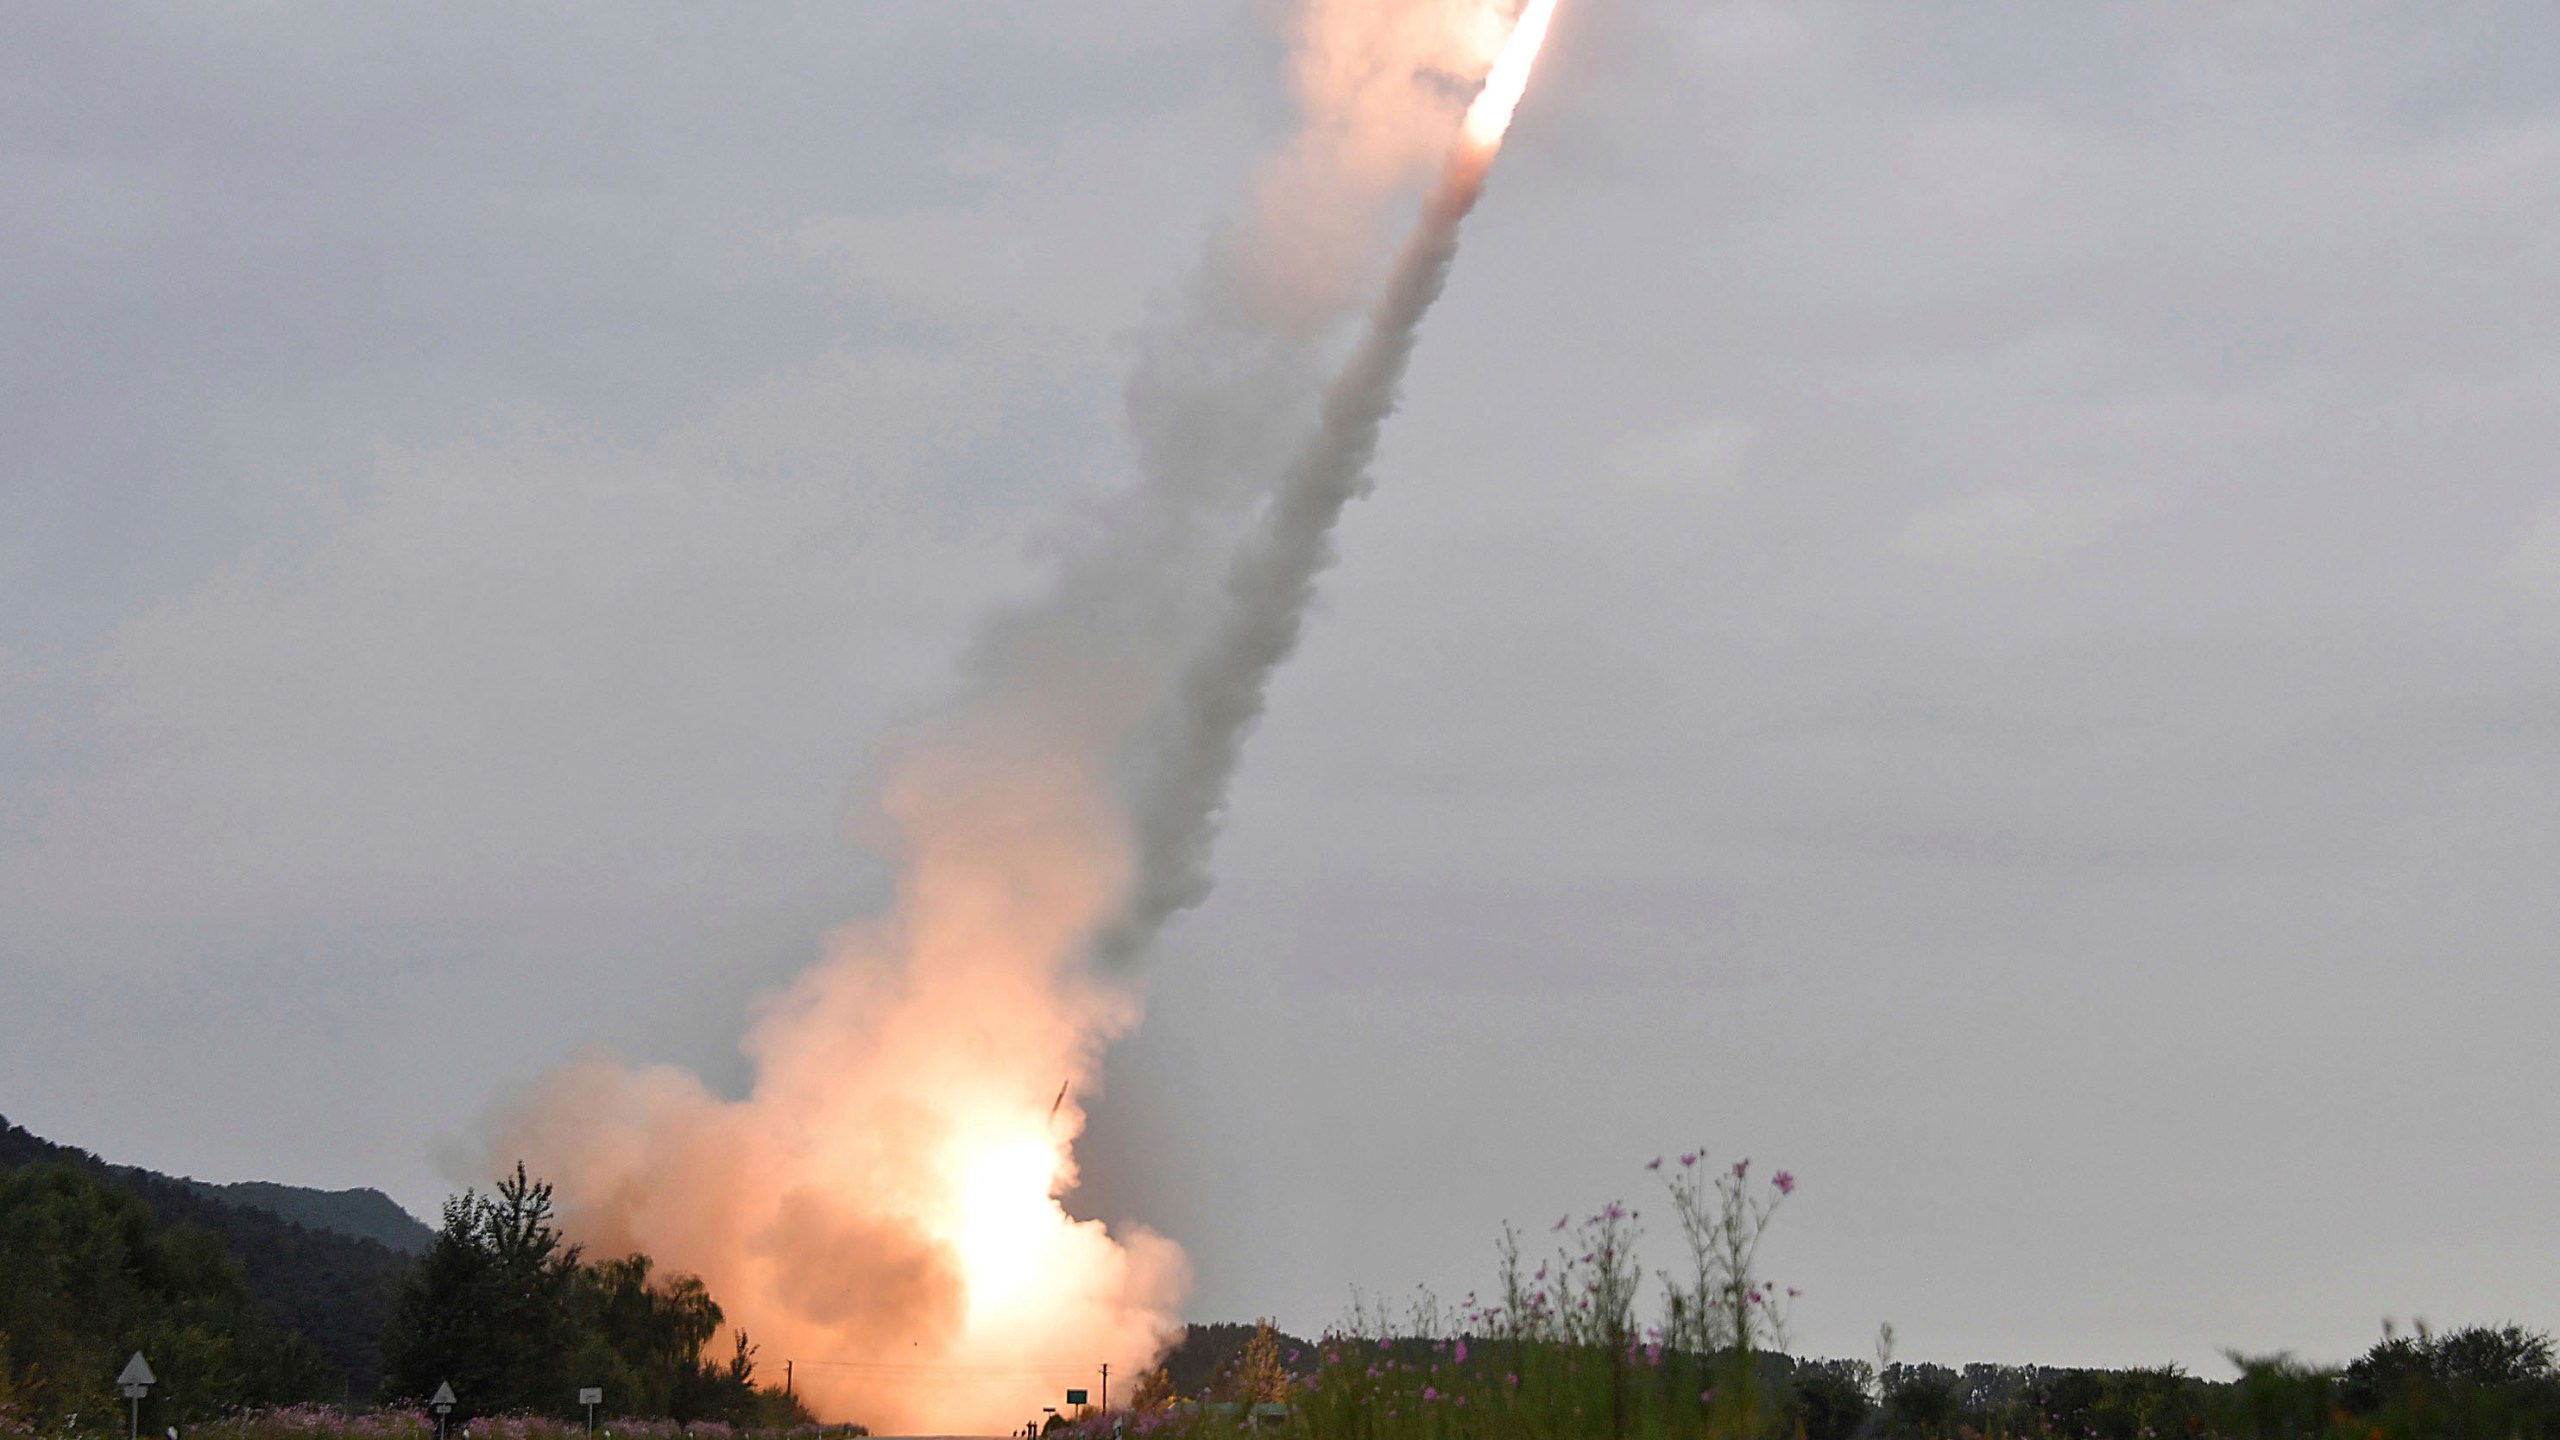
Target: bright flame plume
x,y
884,1206
1489,118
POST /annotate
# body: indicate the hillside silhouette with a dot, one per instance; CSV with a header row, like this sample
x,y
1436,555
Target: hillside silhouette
x,y
333,1289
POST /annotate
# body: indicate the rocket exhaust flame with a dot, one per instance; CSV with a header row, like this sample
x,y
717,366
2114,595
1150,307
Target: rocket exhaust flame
x,y
1489,118
886,1198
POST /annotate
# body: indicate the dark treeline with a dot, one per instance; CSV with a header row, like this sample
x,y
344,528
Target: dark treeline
x,y
2477,1383
504,1310
332,1290
239,1308
89,1274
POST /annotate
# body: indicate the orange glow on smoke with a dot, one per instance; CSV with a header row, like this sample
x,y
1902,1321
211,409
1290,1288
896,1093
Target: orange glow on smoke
x,y
882,1206
1490,116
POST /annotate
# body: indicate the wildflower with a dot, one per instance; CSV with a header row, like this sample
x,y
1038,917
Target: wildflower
x,y
1383,1342
1430,1392
1563,1220
1741,1167
1512,1379
1706,1397
1793,1292
1460,1355
1653,1355
1654,1164
1785,1182
1689,1159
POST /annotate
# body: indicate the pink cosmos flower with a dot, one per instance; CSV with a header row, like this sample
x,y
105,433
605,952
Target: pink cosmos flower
x,y
1461,1354
1430,1392
1785,1182
1654,1164
1689,1159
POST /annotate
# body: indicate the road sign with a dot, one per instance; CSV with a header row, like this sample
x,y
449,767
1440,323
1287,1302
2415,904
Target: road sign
x,y
443,1401
1075,1397
591,1395
137,1381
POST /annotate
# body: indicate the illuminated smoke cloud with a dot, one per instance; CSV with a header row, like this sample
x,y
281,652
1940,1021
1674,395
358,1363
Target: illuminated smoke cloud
x,y
884,1198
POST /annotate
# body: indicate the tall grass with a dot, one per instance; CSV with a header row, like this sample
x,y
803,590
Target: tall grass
x,y
1560,1349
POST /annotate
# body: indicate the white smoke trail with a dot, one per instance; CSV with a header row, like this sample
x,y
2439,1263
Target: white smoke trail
x,y
886,1196
1270,583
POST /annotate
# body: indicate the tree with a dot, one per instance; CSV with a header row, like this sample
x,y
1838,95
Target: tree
x,y
1920,1400
647,1343
517,1320
89,1274
491,1308
1155,1392
2478,1356
1831,1399
2481,1380
1257,1377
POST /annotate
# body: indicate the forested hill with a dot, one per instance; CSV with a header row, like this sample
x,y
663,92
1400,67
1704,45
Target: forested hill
x,y
362,1214
333,1289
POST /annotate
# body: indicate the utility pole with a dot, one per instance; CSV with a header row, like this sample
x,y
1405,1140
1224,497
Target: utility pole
x,y
786,1379
1106,1387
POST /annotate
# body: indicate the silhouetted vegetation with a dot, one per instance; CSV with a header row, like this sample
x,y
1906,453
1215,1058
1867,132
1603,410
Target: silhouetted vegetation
x,y
88,1274
240,1309
357,1214
1560,1353
516,1320
330,1289
97,1262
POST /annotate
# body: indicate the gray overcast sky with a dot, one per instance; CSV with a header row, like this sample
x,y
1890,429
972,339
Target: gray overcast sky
x,y
1965,600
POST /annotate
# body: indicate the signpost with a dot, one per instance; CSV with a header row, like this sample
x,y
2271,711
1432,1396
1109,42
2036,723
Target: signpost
x,y
591,1397
137,1381
442,1404
1075,1397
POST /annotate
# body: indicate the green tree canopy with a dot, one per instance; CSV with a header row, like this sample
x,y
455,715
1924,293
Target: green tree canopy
x,y
89,1274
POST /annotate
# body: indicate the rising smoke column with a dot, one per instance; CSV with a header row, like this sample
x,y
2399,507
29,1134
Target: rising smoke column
x,y
882,1206
1271,581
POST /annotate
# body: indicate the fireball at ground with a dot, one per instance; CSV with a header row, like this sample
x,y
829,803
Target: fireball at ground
x,y
884,1205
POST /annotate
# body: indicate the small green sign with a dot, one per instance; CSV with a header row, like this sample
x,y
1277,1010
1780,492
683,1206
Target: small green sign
x,y
1075,1397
